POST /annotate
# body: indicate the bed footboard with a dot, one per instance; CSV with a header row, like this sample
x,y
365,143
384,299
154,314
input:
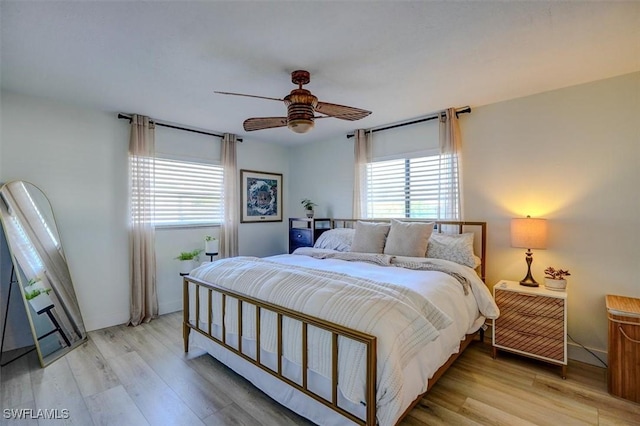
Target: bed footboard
x,y
336,331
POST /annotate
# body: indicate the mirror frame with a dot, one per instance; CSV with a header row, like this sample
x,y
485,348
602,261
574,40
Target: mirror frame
x,y
20,279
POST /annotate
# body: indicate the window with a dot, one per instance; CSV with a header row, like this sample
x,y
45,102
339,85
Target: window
x,y
411,187
187,193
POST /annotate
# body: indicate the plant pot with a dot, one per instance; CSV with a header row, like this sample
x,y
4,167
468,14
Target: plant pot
x,y
211,246
556,285
310,213
187,266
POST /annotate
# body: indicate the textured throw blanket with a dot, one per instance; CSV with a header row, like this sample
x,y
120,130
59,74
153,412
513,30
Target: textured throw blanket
x,y
402,320
386,260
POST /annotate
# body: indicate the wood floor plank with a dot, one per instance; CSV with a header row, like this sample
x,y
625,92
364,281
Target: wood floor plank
x,y
231,415
16,382
110,341
157,402
243,393
609,417
202,396
114,407
18,415
486,414
54,387
429,413
90,369
596,398
517,401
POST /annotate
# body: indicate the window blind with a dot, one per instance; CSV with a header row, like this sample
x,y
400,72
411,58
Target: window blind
x,y
409,187
186,193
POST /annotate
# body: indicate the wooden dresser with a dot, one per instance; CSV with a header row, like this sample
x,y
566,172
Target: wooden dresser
x,y
624,347
532,322
303,232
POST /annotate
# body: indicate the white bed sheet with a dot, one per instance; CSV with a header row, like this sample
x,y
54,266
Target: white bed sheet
x,y
447,294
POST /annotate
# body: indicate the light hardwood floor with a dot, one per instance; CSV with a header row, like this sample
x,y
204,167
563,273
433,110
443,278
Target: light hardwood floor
x,y
138,376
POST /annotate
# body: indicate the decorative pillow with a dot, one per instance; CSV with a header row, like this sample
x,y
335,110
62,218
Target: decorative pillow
x,y
454,247
369,237
408,238
339,239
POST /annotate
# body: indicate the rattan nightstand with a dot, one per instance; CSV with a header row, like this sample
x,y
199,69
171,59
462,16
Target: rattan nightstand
x,y
532,322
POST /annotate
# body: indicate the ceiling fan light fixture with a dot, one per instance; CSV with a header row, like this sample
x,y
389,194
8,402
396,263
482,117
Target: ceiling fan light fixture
x,y
301,125
300,117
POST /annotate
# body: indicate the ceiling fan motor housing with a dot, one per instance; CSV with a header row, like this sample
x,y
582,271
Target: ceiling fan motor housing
x,y
300,110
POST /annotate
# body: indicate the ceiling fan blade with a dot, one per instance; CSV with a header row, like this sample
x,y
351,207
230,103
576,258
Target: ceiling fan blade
x,y
248,96
260,123
342,112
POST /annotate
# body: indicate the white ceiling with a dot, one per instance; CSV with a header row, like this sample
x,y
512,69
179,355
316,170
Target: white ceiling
x,y
400,60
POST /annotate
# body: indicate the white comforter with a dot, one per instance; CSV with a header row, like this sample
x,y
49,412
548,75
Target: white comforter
x,y
389,302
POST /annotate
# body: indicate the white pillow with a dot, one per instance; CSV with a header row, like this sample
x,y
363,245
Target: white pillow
x,y
453,247
339,239
369,237
408,238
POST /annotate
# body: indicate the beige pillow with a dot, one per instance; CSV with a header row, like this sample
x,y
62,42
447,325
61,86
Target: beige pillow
x,y
408,238
369,237
453,247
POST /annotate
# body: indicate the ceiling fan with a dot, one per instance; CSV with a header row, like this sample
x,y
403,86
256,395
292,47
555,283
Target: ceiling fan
x,y
301,109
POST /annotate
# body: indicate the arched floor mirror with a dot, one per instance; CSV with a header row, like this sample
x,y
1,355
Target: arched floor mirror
x,y
40,271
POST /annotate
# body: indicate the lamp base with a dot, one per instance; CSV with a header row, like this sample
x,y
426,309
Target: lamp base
x,y
529,283
528,280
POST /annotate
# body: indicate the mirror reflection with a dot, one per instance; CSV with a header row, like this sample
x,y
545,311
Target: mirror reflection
x,y
41,270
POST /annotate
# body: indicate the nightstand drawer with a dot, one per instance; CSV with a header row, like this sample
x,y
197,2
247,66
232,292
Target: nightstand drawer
x,y
530,305
539,326
530,343
532,322
300,237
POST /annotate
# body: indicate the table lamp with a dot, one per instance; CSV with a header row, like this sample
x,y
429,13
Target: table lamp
x,y
529,233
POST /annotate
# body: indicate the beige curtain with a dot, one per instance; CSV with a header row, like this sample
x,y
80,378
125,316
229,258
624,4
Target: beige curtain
x,y
450,191
230,202
144,299
362,156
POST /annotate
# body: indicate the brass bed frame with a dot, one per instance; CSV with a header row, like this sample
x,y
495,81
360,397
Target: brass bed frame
x,y
336,331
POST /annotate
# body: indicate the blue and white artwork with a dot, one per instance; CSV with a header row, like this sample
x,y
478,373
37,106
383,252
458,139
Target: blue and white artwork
x,y
262,197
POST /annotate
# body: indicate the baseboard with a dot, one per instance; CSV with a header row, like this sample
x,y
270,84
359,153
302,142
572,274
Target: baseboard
x,y
578,353
92,323
168,307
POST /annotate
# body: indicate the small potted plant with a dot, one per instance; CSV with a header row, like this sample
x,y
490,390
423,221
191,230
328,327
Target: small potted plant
x,y
210,245
308,206
188,260
37,295
555,278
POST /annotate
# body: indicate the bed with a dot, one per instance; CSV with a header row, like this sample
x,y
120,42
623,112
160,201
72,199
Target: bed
x,y
354,330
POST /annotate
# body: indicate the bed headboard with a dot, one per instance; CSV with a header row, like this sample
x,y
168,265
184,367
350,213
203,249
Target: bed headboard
x,y
479,229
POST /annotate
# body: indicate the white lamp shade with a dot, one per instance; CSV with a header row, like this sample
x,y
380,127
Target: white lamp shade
x,y
529,233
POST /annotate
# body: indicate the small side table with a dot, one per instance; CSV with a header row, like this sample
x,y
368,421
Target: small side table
x,y
211,255
532,322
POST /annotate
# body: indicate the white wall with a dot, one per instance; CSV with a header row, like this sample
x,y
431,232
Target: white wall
x,y
569,155
78,157
269,238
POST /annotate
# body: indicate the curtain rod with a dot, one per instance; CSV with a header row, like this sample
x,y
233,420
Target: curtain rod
x,y
157,123
463,110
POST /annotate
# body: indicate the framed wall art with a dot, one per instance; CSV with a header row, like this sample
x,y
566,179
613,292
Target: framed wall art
x,y
261,196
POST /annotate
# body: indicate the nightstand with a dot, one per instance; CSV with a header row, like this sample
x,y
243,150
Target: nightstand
x,y
532,322
303,232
